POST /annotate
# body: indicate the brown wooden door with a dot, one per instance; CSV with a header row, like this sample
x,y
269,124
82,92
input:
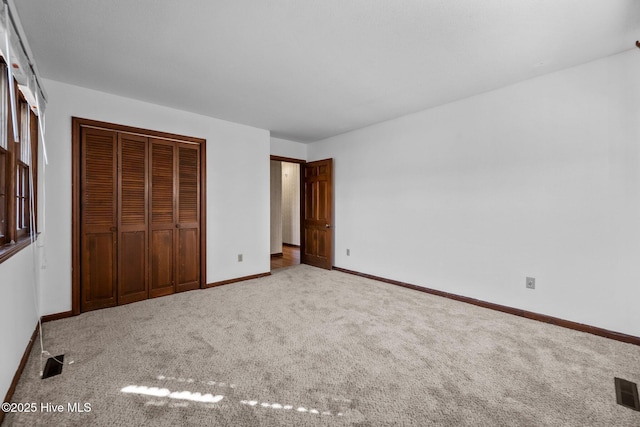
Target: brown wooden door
x,y
316,239
188,218
132,218
98,227
162,240
175,217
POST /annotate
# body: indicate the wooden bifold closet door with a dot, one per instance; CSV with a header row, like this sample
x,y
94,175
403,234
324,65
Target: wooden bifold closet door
x,y
132,218
175,217
99,219
163,218
188,218
140,215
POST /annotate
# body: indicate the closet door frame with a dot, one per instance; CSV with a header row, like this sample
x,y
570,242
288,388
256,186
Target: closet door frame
x,y
76,251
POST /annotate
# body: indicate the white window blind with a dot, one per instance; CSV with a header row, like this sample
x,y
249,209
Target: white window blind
x,y
14,48
3,106
25,134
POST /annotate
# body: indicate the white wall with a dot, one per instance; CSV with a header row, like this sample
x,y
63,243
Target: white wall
x,y
237,184
286,148
539,179
18,315
291,203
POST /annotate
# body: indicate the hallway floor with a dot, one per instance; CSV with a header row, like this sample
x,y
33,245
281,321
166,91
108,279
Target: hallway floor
x,y
290,256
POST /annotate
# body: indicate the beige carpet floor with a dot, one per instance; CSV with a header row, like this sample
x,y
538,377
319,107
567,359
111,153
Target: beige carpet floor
x,y
307,347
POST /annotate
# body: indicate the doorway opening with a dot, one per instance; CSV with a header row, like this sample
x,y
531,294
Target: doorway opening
x,y
285,212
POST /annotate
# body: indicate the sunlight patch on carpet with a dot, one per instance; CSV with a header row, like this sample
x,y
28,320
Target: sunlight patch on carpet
x,y
165,392
300,409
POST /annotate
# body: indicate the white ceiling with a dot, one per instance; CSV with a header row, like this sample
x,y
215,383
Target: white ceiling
x,y
310,69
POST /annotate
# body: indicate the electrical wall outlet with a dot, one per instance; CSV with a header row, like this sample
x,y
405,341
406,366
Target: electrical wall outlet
x,y
531,283
239,257
348,252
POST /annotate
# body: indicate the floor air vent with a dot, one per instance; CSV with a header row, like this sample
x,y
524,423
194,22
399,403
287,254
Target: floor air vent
x,y
53,366
627,394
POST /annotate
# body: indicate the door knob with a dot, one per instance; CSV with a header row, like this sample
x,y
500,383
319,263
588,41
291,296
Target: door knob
x,y
327,226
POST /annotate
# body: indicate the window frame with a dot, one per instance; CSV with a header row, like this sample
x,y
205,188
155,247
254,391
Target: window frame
x,y
15,182
4,154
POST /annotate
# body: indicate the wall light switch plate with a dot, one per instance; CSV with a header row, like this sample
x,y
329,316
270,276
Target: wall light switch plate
x,y
531,283
239,257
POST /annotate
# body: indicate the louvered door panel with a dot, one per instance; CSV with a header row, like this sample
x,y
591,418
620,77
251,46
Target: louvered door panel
x,y
99,178
98,220
188,195
133,179
132,226
162,241
162,203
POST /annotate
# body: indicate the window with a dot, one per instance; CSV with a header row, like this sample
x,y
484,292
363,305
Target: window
x,y
4,158
18,168
23,162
